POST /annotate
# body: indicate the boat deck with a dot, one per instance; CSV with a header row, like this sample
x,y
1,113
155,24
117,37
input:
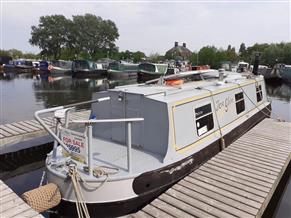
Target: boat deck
x,y
115,155
238,182
13,206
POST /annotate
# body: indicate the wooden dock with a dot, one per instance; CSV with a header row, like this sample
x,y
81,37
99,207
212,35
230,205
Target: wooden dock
x,y
237,182
16,132
11,205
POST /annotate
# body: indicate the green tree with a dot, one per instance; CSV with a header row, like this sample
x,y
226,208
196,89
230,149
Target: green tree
x,y
50,35
93,35
242,48
207,56
14,53
138,56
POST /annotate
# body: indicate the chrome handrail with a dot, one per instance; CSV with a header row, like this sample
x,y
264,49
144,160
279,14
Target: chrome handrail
x,y
49,110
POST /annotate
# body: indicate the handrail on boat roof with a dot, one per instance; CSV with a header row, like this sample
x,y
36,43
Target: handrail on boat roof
x,y
108,120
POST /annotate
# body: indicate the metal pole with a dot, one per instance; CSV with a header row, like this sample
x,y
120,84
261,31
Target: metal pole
x,y
67,119
90,157
129,146
57,131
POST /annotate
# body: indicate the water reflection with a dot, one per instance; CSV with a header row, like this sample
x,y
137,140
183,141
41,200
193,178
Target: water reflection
x,y
23,94
280,91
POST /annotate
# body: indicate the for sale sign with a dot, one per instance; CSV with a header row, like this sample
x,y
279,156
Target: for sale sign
x,y
76,142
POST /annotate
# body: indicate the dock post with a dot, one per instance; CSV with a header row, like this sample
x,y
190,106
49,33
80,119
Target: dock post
x,y
129,146
90,157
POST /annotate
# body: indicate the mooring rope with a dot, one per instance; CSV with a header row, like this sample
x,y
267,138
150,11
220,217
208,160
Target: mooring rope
x,y
216,117
42,178
98,172
81,206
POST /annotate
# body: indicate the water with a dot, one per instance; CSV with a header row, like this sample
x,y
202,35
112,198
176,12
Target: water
x,y
22,95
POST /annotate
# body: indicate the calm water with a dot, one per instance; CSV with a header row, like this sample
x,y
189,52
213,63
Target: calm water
x,y
22,95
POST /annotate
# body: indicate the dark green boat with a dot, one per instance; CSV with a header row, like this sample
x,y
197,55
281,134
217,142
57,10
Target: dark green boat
x,y
87,69
149,71
122,70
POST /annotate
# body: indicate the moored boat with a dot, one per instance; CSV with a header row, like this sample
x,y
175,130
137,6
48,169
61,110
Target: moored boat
x,y
60,68
87,69
23,66
122,70
143,138
285,72
149,71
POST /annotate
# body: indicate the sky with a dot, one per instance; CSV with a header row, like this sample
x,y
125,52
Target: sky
x,y
154,26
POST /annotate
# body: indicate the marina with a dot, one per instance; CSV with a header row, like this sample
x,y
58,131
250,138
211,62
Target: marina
x,y
145,109
19,125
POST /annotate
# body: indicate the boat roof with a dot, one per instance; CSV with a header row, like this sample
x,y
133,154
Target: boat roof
x,y
164,93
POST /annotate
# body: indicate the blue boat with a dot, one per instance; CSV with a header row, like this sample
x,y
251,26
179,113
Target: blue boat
x,y
23,66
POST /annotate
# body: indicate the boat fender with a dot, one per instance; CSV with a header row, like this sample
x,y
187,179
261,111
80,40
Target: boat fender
x,y
174,82
43,198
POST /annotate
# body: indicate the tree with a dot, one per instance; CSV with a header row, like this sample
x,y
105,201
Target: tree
x,y
242,48
138,56
14,53
228,47
50,35
207,56
93,34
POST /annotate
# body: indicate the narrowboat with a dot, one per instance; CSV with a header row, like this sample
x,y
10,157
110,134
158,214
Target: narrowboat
x,y
10,67
149,71
285,72
23,66
60,68
242,66
143,138
122,70
87,69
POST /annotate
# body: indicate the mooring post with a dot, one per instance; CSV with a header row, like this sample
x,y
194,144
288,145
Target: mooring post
x,y
129,146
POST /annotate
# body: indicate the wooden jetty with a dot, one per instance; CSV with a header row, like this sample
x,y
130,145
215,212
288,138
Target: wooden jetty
x,y
11,205
16,132
237,182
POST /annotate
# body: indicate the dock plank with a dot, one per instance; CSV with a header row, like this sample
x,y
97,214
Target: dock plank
x,y
165,203
13,206
7,131
236,204
15,129
16,132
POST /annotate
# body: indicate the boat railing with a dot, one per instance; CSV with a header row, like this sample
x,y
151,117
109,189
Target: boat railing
x,y
62,112
90,122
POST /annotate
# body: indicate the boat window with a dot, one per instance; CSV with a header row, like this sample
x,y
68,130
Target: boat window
x,y
204,119
240,102
259,93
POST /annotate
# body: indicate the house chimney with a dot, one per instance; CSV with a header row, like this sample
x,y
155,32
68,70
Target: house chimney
x,y
176,44
184,44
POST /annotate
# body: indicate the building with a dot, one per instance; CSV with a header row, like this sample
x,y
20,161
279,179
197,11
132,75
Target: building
x,y
178,52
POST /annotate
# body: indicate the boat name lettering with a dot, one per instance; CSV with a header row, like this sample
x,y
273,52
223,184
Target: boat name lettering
x,y
224,104
181,166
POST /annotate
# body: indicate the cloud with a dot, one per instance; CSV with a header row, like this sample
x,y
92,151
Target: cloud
x,y
154,26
